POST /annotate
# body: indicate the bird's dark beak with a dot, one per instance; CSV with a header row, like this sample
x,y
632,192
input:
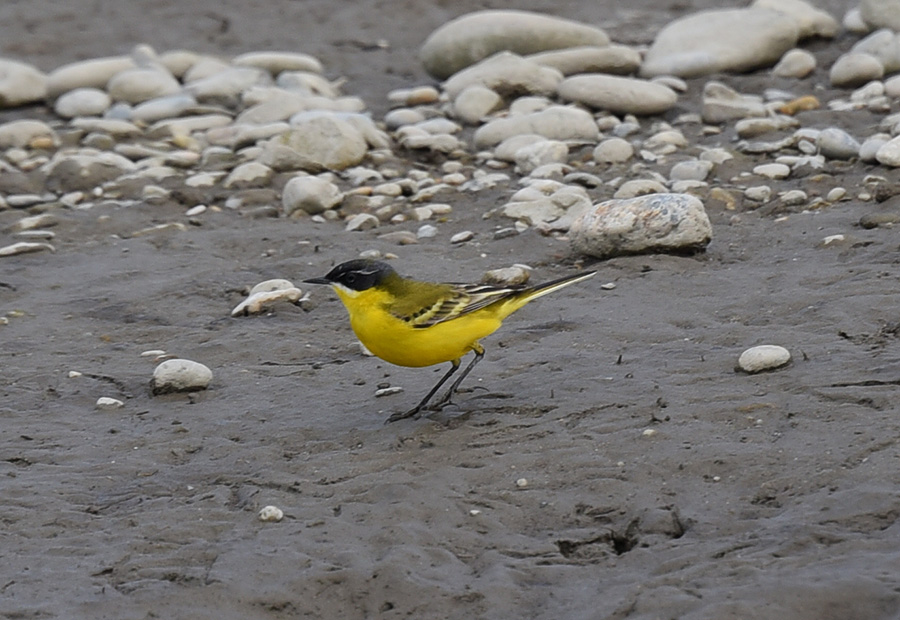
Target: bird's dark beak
x,y
318,281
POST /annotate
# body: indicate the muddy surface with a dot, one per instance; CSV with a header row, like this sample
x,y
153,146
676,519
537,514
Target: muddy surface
x,y
659,482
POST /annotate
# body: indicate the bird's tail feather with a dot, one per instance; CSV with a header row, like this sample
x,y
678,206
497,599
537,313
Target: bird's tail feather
x,y
530,294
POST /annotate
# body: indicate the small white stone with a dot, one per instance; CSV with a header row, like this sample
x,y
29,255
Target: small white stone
x,y
763,357
153,353
271,514
474,512
835,194
197,210
267,293
462,237
361,221
74,374
105,403
649,432
426,231
772,171
394,389
522,483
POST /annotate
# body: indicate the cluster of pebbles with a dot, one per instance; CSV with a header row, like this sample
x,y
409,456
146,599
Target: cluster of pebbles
x,y
591,141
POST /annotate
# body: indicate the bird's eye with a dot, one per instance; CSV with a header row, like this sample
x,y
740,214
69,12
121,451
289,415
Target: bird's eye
x,y
350,278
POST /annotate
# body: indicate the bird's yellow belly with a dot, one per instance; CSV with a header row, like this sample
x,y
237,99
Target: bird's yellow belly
x,y
397,342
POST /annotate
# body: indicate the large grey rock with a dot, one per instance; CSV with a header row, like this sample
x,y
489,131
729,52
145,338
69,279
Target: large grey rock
x,y
721,40
651,223
472,37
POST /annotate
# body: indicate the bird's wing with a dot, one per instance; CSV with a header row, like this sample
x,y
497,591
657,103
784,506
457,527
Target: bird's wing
x,y
450,302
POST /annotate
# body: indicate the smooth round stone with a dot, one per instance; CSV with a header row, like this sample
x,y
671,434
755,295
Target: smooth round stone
x,y
157,109
180,375
796,63
720,40
507,73
835,143
475,102
794,198
309,194
722,103
758,193
228,84
472,37
248,174
639,187
320,142
855,69
772,171
693,170
763,357
884,45
276,62
868,152
402,117
653,223
307,83
139,85
881,13
613,151
361,222
22,133
530,157
178,62
506,150
813,22
611,59
836,194
204,67
554,123
118,129
20,84
666,140
105,403
94,73
888,154
82,102
619,95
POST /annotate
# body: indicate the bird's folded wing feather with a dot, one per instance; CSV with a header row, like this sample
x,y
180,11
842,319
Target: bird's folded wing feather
x,y
451,302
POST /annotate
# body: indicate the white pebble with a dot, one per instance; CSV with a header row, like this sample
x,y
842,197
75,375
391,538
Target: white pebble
x,y
763,357
271,514
462,237
74,374
105,403
522,483
394,389
649,432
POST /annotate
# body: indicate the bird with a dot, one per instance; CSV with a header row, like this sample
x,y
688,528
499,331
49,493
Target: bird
x,y
412,323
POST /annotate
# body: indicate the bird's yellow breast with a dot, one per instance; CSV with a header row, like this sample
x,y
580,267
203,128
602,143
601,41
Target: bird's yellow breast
x,y
398,342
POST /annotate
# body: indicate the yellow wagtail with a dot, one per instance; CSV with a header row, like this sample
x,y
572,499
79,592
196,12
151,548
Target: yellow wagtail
x,y
412,323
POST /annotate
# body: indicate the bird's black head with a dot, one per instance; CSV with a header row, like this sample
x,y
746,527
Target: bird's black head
x,y
358,275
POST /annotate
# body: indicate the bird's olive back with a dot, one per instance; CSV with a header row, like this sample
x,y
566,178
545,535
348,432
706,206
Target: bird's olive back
x,y
360,274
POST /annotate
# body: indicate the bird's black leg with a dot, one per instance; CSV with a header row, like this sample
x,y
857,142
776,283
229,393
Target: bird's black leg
x,y
415,410
445,399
